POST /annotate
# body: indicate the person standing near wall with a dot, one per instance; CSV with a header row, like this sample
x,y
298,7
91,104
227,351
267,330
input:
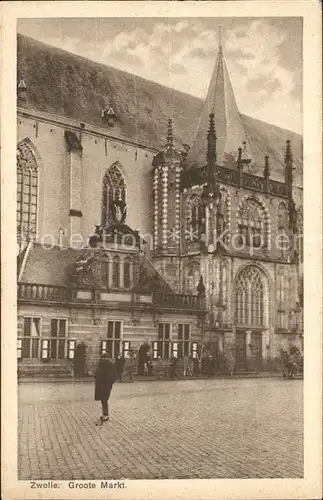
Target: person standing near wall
x,y
185,365
129,366
119,365
105,377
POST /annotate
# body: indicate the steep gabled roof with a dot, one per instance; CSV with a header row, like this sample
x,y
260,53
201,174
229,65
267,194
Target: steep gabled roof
x,y
49,266
65,84
56,266
230,129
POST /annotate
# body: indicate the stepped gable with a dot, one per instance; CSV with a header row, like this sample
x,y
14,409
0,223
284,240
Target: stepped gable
x,y
68,85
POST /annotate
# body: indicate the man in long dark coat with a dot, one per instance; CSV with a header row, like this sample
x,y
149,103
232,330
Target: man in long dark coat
x,y
105,377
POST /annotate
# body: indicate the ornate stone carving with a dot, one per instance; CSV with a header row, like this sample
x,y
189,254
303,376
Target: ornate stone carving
x,y
96,316
73,317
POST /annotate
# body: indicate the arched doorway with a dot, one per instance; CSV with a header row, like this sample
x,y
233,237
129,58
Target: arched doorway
x,y
251,313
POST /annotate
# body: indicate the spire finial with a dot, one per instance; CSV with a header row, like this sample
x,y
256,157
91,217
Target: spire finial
x,y
245,157
288,153
211,125
220,38
211,141
289,164
170,139
267,167
211,151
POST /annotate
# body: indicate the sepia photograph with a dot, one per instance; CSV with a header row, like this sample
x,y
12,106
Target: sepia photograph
x,y
159,232
159,249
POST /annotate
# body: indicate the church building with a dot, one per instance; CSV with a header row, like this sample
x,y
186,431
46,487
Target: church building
x,y
148,217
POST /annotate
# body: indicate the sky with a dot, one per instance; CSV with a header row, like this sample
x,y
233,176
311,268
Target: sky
x,y
263,55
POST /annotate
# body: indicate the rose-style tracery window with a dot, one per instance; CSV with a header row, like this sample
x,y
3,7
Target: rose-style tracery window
x,y
250,298
114,189
27,192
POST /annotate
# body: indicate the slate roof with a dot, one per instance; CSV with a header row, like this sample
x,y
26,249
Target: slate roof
x,y
68,85
56,267
51,266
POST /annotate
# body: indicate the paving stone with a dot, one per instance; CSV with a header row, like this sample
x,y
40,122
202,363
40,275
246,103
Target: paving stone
x,y
178,429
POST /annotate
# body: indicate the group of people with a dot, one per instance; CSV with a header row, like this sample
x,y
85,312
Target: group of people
x,y
125,366
292,363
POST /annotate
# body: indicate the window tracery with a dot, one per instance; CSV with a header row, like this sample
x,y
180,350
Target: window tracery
x,y
114,189
195,218
27,192
252,223
250,298
282,217
192,277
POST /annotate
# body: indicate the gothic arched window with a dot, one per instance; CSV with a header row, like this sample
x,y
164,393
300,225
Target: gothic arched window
x,y
193,277
195,216
282,228
27,192
282,290
116,272
114,189
250,298
282,217
126,273
252,223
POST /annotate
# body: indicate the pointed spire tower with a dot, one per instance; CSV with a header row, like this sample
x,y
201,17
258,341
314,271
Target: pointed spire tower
x,y
221,102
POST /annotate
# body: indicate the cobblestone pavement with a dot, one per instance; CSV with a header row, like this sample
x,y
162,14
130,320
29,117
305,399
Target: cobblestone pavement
x,y
158,430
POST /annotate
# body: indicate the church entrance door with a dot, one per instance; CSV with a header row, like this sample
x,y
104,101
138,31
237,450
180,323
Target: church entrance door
x,y
241,352
257,351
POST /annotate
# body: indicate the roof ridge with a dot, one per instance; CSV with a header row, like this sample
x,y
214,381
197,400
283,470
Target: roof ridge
x,y
196,98
121,71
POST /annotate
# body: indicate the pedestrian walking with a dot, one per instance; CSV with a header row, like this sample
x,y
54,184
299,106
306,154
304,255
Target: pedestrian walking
x,y
105,377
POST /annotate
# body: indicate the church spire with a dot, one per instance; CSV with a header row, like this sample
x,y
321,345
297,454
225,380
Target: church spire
x,y
220,101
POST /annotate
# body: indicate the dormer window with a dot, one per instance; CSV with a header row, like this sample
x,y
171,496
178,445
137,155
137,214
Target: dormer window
x,y
109,116
22,92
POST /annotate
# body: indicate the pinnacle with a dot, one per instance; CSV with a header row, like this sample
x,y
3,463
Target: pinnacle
x,y
170,139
